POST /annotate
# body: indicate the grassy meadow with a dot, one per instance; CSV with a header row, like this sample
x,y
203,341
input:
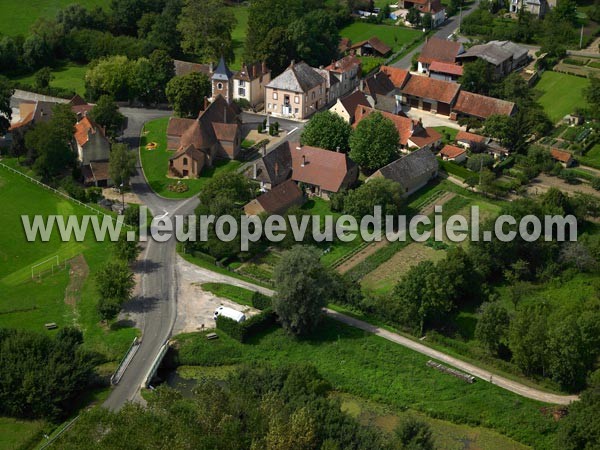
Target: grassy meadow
x,y
69,76
561,93
394,36
156,162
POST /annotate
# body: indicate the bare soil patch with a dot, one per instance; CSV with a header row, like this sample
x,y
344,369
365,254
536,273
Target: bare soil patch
x,y
78,273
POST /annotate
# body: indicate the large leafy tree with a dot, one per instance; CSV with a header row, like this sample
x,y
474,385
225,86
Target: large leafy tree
x,y
121,165
106,114
374,142
6,93
378,192
205,27
592,95
303,289
115,283
581,427
186,93
477,77
327,130
492,326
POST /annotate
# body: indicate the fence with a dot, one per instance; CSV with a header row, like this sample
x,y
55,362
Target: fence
x,y
57,435
59,193
133,348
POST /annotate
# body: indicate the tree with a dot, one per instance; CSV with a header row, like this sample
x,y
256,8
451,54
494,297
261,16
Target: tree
x,y
314,38
413,16
186,93
414,434
6,93
121,165
205,27
492,326
528,337
106,114
580,429
427,21
478,162
378,192
374,142
110,76
327,130
302,290
43,77
592,95
115,283
126,250
477,77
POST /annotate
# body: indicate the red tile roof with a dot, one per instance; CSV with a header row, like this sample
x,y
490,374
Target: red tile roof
x,y
344,45
225,131
451,151
84,128
442,50
481,106
442,67
425,136
397,76
470,137
561,155
430,88
319,167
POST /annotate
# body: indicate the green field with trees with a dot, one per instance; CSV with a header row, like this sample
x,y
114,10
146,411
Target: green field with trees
x,y
561,94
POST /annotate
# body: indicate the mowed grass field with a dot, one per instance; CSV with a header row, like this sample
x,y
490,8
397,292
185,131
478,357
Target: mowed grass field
x,y
238,35
393,36
156,163
372,368
592,157
16,16
561,93
69,76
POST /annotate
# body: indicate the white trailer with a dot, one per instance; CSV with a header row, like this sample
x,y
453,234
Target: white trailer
x,y
230,313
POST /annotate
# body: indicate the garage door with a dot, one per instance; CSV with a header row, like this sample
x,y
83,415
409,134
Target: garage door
x,y
427,106
443,108
414,102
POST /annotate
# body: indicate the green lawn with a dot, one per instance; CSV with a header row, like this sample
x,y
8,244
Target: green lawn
x,y
156,162
233,293
561,93
238,35
17,16
370,367
592,157
448,134
69,76
393,36
20,434
26,303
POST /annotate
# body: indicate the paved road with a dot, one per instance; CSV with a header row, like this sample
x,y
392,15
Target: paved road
x,y
505,383
443,33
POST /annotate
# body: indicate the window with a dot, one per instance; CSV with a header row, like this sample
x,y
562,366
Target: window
x,y
313,95
185,161
242,92
220,86
320,89
270,107
274,95
296,99
295,110
242,83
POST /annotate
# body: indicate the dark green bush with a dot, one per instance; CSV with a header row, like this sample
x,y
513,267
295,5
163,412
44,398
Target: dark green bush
x,y
261,301
251,326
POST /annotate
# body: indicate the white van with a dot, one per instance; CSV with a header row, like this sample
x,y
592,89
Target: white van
x,y
230,313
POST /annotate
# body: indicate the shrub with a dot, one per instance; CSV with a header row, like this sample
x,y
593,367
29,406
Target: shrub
x,y
245,330
261,301
596,183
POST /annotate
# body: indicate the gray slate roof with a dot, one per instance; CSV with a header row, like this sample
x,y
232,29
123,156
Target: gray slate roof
x,y
297,78
495,52
410,168
222,72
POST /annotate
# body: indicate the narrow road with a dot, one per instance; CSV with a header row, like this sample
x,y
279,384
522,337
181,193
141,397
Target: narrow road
x,y
443,33
486,375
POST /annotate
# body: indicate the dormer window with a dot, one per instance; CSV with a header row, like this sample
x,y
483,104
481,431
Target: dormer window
x,y
220,86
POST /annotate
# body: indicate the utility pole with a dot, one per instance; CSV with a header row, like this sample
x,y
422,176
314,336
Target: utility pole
x,y
459,17
581,38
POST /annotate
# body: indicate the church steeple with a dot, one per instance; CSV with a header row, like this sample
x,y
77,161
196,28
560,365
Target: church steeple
x,y
222,81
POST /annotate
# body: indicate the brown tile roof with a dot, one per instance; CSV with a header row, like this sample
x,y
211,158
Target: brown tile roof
x,y
350,102
397,76
178,125
561,155
95,171
425,136
185,67
225,131
77,101
319,167
345,64
191,152
451,151
84,128
442,67
481,106
430,88
82,109
470,137
281,197
250,72
442,50
344,45
377,44
378,83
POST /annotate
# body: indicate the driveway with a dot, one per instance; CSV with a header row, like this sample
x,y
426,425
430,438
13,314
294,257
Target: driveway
x,y
432,120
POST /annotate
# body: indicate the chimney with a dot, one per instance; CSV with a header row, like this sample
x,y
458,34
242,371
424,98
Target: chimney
x,y
205,102
211,68
264,67
292,63
361,84
337,149
254,171
303,161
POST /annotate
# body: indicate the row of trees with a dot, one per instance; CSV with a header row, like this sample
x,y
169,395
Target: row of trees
x,y
373,144
255,407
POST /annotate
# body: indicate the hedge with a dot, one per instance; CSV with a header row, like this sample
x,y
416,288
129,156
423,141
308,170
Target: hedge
x,y
261,301
245,330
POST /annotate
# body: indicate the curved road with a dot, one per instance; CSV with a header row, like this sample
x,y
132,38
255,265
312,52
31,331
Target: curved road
x,y
157,303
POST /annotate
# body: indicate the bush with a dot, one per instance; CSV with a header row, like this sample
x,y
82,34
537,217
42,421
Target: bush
x,y
261,301
245,330
596,183
93,194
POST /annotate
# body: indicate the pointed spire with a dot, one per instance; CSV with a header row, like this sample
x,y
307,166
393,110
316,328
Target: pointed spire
x,y
222,72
